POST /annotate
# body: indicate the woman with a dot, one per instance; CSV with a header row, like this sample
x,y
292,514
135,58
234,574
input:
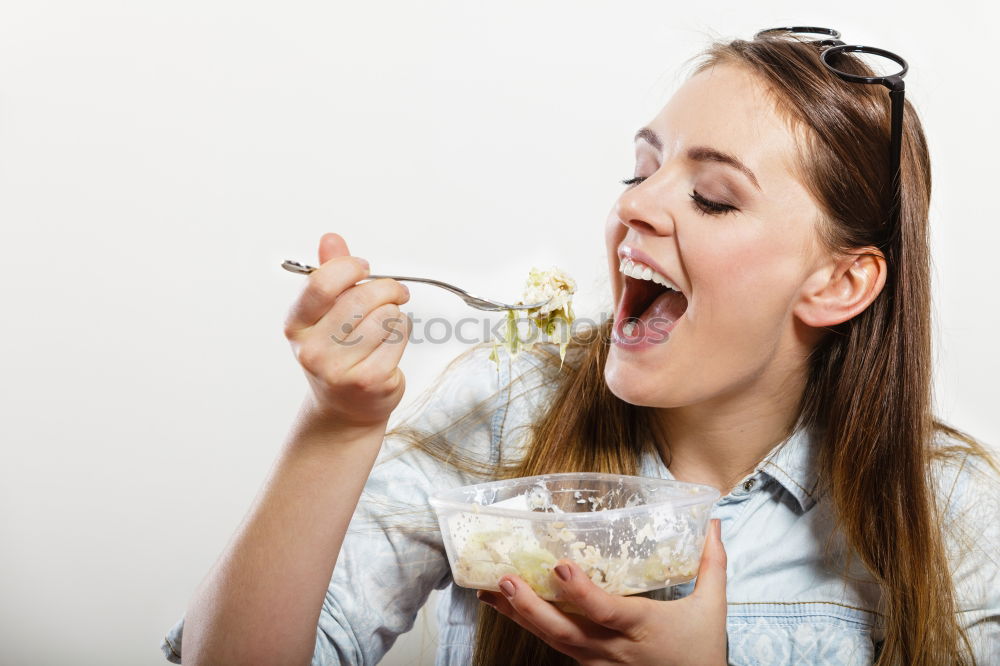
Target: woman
x,y
795,378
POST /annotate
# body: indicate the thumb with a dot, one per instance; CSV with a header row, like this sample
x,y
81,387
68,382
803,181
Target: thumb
x,y
332,245
578,594
711,581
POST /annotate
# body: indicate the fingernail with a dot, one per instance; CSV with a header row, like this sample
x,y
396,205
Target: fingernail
x,y
507,588
405,290
364,262
564,572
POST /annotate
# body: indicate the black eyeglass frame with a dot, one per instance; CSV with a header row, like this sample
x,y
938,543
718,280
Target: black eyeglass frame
x,y
894,82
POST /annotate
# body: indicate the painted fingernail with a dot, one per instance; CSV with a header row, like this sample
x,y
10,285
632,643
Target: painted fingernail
x,y
507,588
564,572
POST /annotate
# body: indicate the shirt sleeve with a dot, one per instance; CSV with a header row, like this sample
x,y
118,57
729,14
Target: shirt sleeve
x,y
393,555
973,543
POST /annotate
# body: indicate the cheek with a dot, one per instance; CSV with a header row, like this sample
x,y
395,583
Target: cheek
x,y
745,287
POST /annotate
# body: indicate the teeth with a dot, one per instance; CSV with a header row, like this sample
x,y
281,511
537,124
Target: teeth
x,y
629,328
644,272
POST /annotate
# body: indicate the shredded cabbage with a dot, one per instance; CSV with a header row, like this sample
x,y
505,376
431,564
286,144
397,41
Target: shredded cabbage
x,y
553,321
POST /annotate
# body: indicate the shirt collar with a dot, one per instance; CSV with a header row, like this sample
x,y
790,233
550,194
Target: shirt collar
x,y
791,463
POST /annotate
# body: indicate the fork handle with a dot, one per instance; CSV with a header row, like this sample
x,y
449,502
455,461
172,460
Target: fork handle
x,y
474,301
296,267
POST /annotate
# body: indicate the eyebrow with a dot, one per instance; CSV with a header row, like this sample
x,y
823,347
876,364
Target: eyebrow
x,y
701,154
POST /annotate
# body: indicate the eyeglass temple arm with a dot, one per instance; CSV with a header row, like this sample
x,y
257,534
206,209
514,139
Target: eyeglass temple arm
x,y
896,91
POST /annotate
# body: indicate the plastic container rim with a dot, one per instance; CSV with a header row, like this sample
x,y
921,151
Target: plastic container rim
x,y
440,499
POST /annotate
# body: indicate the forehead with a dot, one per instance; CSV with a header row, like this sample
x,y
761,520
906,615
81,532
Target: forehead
x,y
727,108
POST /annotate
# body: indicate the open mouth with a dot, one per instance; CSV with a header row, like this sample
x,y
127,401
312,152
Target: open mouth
x,y
650,304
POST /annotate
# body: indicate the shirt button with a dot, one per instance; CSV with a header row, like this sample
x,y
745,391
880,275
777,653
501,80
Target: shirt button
x,y
748,485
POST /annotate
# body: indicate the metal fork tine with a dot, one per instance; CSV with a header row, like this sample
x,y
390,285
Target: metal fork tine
x,y
474,301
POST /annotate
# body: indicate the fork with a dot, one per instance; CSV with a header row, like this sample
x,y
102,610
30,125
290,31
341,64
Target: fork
x,y
475,301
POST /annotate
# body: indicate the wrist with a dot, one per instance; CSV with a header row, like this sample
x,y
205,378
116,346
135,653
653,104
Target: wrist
x,y
320,426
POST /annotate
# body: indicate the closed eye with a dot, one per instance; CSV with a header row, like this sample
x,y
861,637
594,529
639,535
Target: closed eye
x,y
710,207
701,204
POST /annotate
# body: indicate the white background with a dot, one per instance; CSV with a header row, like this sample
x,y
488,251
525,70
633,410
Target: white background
x,y
158,160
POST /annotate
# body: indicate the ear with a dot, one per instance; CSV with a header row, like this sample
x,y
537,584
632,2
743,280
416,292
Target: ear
x,y
842,288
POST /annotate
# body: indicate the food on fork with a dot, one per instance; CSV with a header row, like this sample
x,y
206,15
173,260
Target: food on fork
x,y
553,320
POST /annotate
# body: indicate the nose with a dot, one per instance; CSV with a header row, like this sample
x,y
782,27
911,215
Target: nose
x,y
645,208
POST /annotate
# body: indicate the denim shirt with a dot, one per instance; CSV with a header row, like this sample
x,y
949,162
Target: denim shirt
x,y
789,601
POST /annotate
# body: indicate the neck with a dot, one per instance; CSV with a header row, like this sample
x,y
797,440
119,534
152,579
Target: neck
x,y
719,441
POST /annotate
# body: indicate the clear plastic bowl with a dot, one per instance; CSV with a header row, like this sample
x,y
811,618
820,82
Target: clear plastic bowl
x,y
630,534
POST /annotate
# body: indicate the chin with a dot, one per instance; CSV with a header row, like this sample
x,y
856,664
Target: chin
x,y
638,384
632,384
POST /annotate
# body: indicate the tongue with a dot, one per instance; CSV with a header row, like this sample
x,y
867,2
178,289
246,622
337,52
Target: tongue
x,y
669,305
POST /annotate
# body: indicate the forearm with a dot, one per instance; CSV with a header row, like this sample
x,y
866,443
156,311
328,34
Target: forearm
x,y
261,602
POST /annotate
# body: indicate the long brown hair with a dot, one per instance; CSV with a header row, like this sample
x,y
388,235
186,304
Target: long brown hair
x,y
869,388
